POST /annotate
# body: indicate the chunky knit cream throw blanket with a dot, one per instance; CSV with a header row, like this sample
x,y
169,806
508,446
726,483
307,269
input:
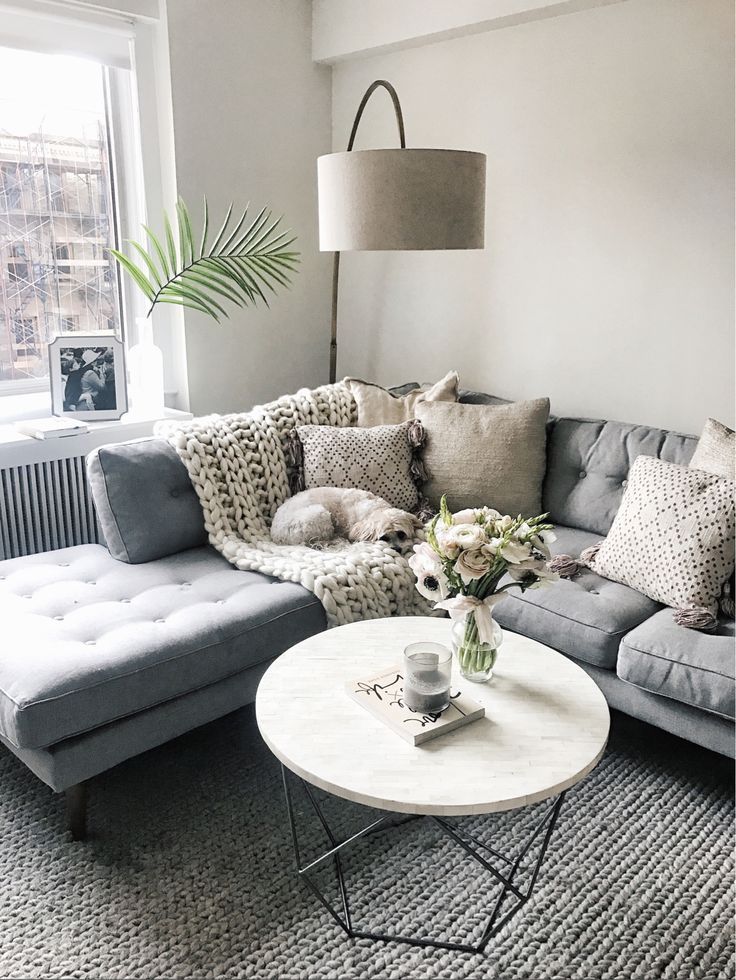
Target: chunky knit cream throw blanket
x,y
238,466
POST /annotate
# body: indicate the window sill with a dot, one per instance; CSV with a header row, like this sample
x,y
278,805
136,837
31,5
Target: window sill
x,y
17,449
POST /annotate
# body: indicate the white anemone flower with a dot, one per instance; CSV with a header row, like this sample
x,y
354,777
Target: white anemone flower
x,y
431,580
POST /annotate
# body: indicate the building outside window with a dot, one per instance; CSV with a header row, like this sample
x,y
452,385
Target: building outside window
x,y
58,209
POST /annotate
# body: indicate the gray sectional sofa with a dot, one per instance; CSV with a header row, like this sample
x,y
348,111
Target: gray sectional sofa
x,y
109,651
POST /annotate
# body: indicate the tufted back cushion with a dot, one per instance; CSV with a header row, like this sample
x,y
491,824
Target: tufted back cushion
x,y
145,501
588,463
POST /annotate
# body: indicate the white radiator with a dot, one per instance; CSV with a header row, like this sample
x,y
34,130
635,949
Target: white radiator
x,y
45,506
45,502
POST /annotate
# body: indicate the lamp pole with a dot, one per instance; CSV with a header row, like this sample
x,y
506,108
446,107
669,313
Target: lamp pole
x,y
379,83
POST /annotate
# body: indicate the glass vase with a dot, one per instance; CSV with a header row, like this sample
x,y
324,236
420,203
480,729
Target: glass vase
x,y
475,658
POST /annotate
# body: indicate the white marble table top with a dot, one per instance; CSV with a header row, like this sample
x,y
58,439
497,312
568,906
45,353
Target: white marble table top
x,y
545,727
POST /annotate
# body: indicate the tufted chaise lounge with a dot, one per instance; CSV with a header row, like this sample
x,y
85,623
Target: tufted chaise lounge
x,y
109,651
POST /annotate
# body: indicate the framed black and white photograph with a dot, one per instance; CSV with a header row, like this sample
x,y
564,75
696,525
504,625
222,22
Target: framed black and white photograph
x,y
88,377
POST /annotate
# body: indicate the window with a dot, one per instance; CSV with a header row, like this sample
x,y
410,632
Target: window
x,y
58,209
63,252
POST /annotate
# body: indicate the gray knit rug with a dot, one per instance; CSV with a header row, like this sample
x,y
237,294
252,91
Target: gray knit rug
x,y
188,873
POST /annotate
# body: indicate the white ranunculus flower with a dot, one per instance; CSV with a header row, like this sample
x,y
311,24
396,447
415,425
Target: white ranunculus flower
x,y
449,547
505,522
467,516
431,580
515,551
489,514
468,537
472,565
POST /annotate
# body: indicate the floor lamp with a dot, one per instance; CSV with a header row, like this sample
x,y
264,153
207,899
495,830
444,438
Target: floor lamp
x,y
397,199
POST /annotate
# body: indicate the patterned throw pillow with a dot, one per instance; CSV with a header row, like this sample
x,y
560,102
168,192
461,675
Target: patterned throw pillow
x,y
716,453
377,459
673,536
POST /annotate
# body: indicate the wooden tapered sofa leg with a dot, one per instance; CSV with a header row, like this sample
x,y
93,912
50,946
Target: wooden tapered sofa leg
x,y
76,810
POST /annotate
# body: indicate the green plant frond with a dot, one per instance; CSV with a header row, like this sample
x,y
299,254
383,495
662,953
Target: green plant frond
x,y
158,249
238,267
193,278
135,273
216,244
227,245
153,273
262,241
170,246
206,304
181,287
184,245
262,264
253,229
185,220
245,262
205,229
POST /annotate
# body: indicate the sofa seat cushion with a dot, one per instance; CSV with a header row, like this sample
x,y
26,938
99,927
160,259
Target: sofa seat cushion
x,y
584,617
88,639
695,668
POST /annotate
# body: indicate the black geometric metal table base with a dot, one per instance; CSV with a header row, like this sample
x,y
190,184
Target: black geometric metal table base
x,y
498,917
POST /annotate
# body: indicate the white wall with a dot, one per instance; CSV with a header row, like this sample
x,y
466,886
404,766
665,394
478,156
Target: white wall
x,y
251,115
607,278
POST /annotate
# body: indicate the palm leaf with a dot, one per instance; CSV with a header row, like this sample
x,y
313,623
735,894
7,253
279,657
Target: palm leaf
x,y
246,260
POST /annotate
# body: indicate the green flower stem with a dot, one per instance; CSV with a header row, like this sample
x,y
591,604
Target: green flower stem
x,y
473,655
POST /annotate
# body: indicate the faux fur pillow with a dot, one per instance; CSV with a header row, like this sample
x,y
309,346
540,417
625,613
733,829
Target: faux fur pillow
x,y
377,406
379,459
673,536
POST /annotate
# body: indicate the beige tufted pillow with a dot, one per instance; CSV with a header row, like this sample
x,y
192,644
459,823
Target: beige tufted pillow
x,y
377,406
377,459
673,536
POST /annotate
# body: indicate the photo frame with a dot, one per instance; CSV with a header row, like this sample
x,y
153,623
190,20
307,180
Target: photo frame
x,y
88,380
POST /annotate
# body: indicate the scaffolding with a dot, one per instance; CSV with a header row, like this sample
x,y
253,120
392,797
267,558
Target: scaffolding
x,y
56,226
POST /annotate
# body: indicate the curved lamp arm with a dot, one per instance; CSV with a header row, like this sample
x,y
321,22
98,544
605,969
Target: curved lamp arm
x,y
379,83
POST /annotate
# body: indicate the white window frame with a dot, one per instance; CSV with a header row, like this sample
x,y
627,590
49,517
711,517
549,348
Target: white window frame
x,y
143,166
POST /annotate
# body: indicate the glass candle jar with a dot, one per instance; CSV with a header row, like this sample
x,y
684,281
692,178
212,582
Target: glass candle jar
x,y
427,670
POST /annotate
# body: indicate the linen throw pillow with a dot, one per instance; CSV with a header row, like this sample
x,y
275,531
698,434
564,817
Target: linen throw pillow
x,y
716,450
377,406
492,455
673,536
377,459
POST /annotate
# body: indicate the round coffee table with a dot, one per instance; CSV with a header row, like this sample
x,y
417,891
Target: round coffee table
x,y
545,727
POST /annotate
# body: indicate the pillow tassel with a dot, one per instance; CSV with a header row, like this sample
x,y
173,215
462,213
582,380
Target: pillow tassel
x,y
726,602
696,618
565,566
589,555
424,511
416,470
294,454
415,433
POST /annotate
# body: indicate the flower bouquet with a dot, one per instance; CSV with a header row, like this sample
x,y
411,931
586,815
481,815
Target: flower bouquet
x,y
461,564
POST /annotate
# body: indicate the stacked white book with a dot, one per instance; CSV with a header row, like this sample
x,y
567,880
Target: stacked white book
x,y
51,428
